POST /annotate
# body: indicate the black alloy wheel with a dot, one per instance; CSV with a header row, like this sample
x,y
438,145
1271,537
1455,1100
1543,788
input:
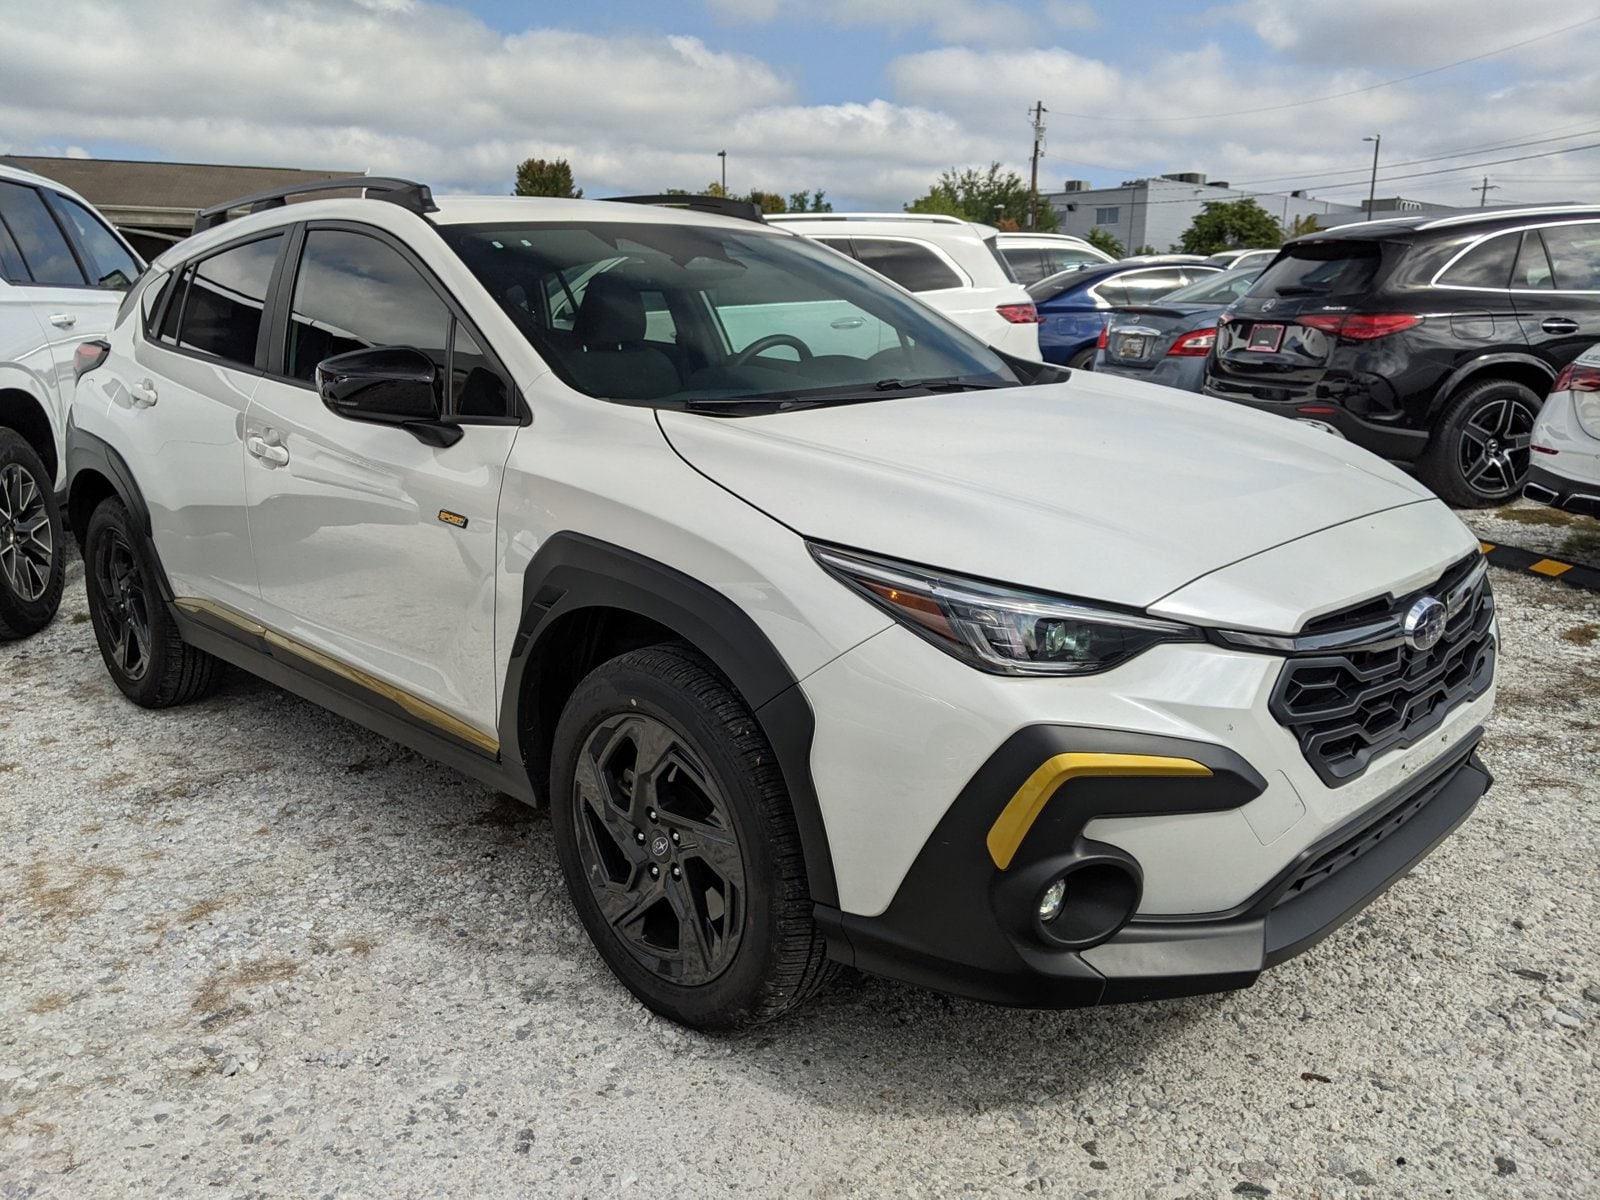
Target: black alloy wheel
x,y
1479,453
678,842
144,653
31,566
658,849
125,605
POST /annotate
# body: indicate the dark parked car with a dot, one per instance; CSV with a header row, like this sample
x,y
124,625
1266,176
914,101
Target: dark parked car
x,y
1426,339
1167,342
1073,305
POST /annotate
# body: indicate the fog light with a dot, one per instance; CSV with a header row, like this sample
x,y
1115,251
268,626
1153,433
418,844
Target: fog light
x,y
1050,902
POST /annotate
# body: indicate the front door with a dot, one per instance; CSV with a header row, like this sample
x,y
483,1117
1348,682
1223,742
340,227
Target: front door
x,y
374,548
1556,289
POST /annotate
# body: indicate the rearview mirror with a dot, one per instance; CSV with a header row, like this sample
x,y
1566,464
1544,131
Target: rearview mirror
x,y
393,384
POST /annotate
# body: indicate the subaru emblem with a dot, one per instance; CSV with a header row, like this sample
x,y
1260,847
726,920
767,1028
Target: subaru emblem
x,y
1424,624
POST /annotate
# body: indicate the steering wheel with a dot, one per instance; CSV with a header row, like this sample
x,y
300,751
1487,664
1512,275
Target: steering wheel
x,y
773,340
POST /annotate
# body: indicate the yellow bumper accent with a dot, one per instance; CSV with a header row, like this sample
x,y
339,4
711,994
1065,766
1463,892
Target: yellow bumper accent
x,y
1020,812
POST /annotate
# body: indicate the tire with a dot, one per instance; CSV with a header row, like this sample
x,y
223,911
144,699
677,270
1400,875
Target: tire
x,y
1083,360
1478,454
139,642
679,845
32,560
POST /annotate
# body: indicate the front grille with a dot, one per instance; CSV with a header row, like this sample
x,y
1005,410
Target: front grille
x,y
1348,706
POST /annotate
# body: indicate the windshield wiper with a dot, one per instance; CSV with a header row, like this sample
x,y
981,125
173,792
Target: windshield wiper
x,y
950,383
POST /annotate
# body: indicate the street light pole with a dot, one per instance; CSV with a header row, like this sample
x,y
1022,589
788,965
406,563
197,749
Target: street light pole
x,y
1372,190
723,155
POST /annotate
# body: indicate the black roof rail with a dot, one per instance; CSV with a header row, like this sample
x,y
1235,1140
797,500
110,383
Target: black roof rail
x,y
414,197
722,206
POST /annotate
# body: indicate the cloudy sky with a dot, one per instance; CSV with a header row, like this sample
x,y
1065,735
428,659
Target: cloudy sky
x,y
867,99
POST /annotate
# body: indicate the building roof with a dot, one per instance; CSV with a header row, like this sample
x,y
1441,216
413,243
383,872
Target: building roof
x,y
131,191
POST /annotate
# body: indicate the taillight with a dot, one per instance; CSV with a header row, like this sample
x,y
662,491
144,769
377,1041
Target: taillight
x,y
87,357
1360,327
1020,314
1105,336
1194,345
1577,377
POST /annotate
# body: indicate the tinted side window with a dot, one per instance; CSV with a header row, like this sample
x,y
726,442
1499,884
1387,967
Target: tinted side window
x,y
1337,269
12,269
476,388
150,300
1574,252
1061,260
43,245
352,292
110,265
913,267
1028,265
1143,287
1533,268
1486,265
226,297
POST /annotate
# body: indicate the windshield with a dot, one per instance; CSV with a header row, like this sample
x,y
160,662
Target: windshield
x,y
701,316
1215,289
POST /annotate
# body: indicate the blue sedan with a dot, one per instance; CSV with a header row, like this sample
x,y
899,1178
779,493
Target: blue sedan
x,y
1074,305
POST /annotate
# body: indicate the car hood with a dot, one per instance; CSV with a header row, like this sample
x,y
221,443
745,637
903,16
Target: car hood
x,y
1099,487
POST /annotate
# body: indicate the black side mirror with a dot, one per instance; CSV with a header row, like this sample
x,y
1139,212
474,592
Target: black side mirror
x,y
391,385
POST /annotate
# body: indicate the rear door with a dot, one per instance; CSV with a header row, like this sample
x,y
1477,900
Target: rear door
x,y
374,548
1556,289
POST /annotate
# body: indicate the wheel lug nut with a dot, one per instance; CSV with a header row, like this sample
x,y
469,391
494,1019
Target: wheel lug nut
x,y
638,836
674,836
655,871
651,813
677,872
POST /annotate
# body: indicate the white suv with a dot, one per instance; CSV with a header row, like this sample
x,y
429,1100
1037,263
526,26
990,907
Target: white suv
x,y
952,265
864,645
63,272
1036,256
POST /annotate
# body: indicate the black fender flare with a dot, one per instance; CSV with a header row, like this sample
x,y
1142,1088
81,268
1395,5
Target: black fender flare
x,y
572,571
86,452
1472,367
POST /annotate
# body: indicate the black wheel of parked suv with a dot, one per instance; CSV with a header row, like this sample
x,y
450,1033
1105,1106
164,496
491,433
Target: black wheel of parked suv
x,y
1478,454
31,565
679,845
154,667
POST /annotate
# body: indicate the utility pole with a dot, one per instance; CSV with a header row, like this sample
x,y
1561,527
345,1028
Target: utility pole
x,y
1483,190
1372,189
1038,149
723,155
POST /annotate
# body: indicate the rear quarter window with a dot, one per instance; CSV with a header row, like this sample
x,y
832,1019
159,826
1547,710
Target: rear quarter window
x,y
1486,265
914,267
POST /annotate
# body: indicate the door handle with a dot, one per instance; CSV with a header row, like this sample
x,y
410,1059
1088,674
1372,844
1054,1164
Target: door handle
x,y
144,394
259,447
1559,325
847,323
63,320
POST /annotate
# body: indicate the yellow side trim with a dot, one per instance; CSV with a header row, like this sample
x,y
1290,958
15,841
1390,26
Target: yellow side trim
x,y
1486,546
417,707
1550,567
1020,812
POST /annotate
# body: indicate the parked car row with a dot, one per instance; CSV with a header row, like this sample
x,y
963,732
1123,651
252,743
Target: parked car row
x,y
702,533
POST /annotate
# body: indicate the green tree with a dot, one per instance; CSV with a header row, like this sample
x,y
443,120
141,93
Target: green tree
x,y
1229,225
1102,239
809,202
1301,226
538,177
990,197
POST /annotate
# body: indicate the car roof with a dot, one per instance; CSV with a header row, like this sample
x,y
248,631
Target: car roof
x,y
1084,277
931,226
18,175
1489,218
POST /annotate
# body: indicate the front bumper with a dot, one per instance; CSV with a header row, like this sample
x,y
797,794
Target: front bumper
x,y
960,925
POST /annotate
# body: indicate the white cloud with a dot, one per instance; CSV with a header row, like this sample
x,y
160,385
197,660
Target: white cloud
x,y
1072,15
982,21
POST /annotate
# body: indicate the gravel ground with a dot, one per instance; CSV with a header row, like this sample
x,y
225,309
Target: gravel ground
x,y
249,949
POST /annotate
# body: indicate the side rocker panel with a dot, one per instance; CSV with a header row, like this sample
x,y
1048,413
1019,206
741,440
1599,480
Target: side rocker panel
x,y
572,572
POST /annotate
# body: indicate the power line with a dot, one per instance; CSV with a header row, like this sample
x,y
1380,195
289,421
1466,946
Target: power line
x,y
1484,149
1241,112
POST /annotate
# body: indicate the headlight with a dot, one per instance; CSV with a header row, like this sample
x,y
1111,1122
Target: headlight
x,y
999,629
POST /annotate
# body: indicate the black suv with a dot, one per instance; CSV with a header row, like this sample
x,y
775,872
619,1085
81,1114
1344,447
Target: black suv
x,y
1425,339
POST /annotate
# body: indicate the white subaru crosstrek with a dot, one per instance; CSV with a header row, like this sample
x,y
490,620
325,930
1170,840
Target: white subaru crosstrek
x,y
63,272
827,633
